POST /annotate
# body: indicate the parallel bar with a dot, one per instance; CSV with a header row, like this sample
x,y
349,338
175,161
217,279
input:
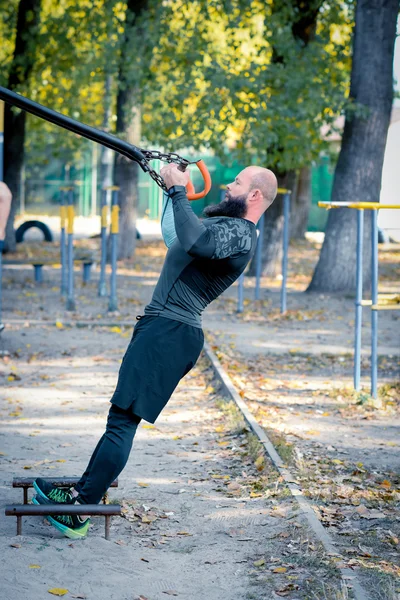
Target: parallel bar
x,y
374,298
286,212
359,205
102,291
27,482
14,510
358,301
259,255
113,304
70,299
240,293
63,249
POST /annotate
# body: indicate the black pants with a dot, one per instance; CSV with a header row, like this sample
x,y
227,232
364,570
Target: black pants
x,y
110,455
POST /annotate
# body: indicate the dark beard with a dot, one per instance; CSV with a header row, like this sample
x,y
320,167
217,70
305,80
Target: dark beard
x,y
228,207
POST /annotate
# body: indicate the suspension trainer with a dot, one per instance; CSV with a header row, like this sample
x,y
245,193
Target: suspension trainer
x,y
142,157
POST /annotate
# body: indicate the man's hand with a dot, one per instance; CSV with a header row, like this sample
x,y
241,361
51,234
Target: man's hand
x,y
5,205
172,176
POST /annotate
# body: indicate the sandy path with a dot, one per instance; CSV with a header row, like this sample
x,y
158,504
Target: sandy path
x,y
52,418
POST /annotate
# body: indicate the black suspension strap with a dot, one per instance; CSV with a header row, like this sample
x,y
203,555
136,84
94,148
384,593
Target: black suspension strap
x,y
139,155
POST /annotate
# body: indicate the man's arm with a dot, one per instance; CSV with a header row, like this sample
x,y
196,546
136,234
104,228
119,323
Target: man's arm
x,y
231,237
5,205
220,240
167,221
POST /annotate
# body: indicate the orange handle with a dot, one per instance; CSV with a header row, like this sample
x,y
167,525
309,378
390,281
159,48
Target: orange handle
x,y
191,194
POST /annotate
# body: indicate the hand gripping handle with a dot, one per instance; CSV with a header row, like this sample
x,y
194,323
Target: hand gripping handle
x,y
191,194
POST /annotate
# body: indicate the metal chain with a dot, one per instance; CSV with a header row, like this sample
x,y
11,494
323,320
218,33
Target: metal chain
x,y
164,156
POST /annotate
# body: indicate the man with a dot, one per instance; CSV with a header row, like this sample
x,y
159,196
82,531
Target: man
x,y
204,258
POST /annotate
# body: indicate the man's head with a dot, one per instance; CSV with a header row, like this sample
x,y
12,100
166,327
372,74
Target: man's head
x,y
252,192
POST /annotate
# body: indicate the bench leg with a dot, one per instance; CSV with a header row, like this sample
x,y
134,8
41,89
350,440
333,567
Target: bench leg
x,y
107,527
38,273
25,495
86,272
19,525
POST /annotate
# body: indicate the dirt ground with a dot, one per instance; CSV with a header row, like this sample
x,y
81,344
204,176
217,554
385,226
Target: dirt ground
x,y
294,371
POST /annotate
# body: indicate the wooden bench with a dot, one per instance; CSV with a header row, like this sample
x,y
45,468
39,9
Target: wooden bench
x,y
38,263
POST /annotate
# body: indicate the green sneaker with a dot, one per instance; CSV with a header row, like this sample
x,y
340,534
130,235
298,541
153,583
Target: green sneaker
x,y
50,494
72,526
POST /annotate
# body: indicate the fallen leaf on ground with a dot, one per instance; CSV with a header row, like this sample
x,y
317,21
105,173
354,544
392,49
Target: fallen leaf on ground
x,y
259,563
58,591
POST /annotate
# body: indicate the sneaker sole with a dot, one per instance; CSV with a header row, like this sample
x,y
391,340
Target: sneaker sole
x,y
65,530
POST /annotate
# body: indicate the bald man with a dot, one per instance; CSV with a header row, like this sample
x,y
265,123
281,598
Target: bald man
x,y
204,258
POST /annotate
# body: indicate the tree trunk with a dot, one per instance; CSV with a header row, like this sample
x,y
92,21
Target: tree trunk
x,y
303,30
14,119
126,172
359,169
271,257
300,205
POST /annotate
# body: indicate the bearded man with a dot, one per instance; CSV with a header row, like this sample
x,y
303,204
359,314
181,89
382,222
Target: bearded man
x,y
204,258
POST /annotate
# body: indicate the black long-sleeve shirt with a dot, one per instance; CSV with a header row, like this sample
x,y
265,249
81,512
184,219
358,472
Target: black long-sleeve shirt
x,y
203,260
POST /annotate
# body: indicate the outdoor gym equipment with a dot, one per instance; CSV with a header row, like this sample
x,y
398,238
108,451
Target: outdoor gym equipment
x,y
113,306
70,250
285,245
102,291
25,509
139,155
383,302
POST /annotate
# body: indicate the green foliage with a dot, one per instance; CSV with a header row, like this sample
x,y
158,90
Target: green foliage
x,y
205,72
215,80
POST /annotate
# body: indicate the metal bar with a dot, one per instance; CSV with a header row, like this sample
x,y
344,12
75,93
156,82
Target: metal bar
x,y
113,303
25,495
286,212
259,255
359,205
70,298
374,298
86,272
16,510
102,291
57,481
101,137
240,293
19,525
63,249
358,301
107,527
38,273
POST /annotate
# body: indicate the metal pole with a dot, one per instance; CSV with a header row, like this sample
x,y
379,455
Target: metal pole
x,y
286,211
104,212
259,255
70,213
358,302
113,305
240,293
374,298
63,248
